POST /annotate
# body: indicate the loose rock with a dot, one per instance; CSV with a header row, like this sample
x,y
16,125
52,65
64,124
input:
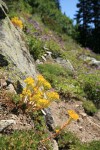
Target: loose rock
x,y
5,123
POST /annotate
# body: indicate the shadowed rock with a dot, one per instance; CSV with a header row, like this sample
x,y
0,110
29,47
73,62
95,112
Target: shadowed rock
x,y
3,9
3,61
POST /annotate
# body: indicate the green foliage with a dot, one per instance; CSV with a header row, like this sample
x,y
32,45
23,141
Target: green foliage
x,y
58,22
94,145
52,71
54,47
16,98
16,8
67,140
24,140
39,123
91,88
52,16
89,107
61,79
70,88
35,47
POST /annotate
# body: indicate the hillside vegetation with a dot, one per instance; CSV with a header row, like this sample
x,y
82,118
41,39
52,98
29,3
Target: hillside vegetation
x,y
72,71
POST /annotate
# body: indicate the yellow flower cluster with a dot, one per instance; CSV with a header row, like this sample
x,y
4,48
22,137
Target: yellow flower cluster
x,y
17,22
52,95
43,82
29,81
57,131
37,93
73,114
26,92
43,102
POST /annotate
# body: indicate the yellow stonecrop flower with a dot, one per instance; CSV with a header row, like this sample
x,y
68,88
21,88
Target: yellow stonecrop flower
x,y
29,81
52,95
24,91
40,78
17,22
43,82
35,95
73,114
43,103
38,95
57,131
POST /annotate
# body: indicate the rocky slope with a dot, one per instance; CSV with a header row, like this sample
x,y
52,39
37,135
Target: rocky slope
x,y
16,64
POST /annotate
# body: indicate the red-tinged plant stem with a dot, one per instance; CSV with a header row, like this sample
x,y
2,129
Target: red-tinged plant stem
x,y
55,134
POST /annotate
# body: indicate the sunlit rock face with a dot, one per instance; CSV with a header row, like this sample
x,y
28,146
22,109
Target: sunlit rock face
x,y
13,49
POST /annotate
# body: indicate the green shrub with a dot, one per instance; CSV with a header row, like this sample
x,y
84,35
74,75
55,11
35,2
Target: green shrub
x,y
16,8
36,47
51,23
52,69
54,73
22,140
67,140
91,88
52,16
89,107
16,98
69,89
61,80
94,145
54,48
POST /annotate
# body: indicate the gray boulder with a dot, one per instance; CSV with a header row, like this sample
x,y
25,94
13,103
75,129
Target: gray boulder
x,y
92,61
65,63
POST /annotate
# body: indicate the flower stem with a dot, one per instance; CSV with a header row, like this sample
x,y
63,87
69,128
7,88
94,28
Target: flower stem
x,y
55,134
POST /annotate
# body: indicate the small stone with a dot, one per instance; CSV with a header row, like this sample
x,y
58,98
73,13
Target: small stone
x,y
43,58
55,145
3,83
77,105
83,115
38,62
80,120
14,117
45,48
5,123
80,128
10,88
45,55
49,53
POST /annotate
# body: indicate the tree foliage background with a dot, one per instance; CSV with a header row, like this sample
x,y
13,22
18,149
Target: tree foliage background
x,y
87,29
88,21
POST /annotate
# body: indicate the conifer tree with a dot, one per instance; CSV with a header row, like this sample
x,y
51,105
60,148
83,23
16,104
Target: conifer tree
x,y
88,20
